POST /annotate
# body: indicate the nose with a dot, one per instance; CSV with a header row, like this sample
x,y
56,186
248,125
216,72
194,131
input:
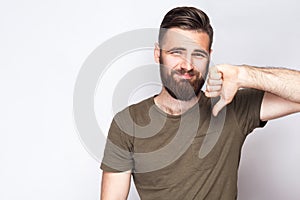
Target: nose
x,y
187,63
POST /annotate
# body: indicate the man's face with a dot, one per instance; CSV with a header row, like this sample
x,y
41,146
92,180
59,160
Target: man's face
x,y
184,58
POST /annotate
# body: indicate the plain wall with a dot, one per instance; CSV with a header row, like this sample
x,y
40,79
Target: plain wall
x,y
43,45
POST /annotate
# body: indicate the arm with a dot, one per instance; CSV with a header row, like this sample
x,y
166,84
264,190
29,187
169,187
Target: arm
x,y
115,186
282,88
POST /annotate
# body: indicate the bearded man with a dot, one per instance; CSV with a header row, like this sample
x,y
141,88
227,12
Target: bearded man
x,y
184,143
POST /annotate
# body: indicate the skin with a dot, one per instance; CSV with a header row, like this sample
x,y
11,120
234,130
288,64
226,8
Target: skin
x,y
282,86
195,55
282,96
115,186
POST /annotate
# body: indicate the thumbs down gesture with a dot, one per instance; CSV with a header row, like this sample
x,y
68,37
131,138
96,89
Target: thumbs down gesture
x,y
223,81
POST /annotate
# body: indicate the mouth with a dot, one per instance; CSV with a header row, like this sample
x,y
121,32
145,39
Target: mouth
x,y
185,75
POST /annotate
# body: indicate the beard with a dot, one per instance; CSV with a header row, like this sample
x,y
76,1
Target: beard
x,y
180,88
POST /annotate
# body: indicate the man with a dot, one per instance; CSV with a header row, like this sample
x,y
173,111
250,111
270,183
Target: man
x,y
182,143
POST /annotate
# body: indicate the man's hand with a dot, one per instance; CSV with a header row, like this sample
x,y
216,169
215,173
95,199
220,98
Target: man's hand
x,y
281,85
222,81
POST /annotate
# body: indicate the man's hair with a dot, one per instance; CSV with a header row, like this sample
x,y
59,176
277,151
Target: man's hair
x,y
186,18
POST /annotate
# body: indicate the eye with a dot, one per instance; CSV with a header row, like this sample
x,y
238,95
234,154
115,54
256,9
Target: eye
x,y
176,52
199,55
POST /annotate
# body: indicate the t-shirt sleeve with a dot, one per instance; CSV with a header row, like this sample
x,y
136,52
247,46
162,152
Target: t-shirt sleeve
x,y
119,147
247,106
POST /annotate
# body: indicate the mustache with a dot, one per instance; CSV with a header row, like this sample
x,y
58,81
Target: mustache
x,y
191,72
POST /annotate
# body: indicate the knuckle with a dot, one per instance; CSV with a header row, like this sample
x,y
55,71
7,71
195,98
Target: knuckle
x,y
207,88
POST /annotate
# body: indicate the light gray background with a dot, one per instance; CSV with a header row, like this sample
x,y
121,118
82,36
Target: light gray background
x,y
43,45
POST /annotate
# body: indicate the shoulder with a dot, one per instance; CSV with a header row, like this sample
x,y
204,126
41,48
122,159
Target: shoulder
x,y
248,95
137,110
249,91
143,105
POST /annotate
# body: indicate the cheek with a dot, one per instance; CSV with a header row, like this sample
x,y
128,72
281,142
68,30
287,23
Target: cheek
x,y
201,65
171,61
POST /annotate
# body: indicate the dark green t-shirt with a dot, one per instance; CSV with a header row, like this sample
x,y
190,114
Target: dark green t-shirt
x,y
191,156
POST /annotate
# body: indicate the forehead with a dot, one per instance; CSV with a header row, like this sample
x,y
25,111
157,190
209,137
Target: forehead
x,y
185,38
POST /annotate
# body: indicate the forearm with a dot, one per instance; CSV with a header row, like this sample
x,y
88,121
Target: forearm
x,y
279,81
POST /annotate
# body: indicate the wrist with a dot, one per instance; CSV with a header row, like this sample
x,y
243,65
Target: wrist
x,y
243,76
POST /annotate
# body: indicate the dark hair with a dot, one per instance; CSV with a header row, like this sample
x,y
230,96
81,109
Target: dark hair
x,y
187,18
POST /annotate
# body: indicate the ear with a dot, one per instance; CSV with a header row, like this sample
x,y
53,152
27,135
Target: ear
x,y
207,68
210,52
156,52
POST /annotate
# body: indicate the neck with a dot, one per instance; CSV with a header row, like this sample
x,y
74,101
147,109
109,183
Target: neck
x,y
173,106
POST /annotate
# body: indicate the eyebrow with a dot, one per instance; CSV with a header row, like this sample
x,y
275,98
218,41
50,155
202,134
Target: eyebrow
x,y
176,49
184,49
201,51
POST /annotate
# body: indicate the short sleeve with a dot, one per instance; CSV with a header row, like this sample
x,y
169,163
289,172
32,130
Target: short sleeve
x,y
119,147
247,106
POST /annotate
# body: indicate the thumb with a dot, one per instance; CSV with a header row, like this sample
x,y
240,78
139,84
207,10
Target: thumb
x,y
218,106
